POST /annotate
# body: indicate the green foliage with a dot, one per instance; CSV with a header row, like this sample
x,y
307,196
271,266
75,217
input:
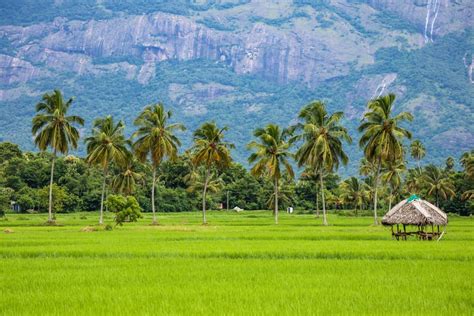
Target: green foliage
x,y
126,208
9,151
5,198
60,199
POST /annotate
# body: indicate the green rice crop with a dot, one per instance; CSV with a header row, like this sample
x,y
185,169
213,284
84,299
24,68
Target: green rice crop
x,y
241,263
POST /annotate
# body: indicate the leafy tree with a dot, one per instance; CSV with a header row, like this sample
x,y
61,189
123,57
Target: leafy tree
x,y
382,136
60,197
173,172
156,139
270,157
52,127
211,151
126,208
322,135
28,198
5,198
106,144
9,151
244,192
417,151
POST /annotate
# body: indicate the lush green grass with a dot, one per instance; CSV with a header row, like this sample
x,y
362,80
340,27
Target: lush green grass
x,y
239,264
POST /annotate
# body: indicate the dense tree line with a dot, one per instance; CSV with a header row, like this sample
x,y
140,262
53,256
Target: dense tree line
x,y
148,170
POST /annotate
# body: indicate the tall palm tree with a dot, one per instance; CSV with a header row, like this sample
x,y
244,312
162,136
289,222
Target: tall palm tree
x,y
53,128
382,136
211,151
417,151
437,183
271,157
126,180
106,144
156,139
393,177
354,191
322,135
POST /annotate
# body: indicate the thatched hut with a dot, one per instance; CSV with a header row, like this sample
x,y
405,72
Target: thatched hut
x,y
415,212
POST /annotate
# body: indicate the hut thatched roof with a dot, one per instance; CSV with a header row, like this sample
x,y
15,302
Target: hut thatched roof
x,y
415,211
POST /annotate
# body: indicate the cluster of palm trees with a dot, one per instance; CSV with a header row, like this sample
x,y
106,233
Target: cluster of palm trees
x,y
153,140
318,137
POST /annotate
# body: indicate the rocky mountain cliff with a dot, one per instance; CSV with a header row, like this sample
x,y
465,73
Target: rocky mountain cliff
x,y
241,62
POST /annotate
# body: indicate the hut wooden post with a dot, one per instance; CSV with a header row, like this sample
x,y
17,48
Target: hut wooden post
x,y
418,213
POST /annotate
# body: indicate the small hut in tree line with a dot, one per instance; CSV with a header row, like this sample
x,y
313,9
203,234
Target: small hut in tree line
x,y
415,212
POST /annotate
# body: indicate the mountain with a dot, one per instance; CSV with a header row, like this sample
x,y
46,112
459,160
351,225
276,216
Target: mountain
x,y
242,63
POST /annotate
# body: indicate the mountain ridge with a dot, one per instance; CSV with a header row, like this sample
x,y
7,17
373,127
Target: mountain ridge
x,y
244,63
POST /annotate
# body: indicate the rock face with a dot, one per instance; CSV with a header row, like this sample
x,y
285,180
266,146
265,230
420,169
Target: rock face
x,y
73,46
433,17
300,50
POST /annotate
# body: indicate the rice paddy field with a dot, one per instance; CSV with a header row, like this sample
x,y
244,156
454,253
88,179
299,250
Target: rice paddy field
x,y
241,263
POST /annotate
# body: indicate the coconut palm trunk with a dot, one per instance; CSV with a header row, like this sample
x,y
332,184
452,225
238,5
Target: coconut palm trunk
x,y
390,197
101,217
325,221
204,192
376,184
153,196
50,206
275,211
317,201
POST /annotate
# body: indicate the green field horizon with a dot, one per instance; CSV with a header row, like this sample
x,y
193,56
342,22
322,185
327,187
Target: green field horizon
x,y
241,263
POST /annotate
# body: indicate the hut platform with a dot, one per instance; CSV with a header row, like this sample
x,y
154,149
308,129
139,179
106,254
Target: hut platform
x,y
415,212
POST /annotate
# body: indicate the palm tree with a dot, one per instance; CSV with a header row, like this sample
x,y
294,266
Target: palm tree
x,y
467,161
417,151
322,148
270,157
197,178
106,144
126,180
53,128
382,136
393,177
312,176
413,181
211,151
156,139
437,183
354,191
449,164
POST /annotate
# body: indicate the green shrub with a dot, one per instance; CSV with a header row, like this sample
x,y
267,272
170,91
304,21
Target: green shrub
x,y
126,208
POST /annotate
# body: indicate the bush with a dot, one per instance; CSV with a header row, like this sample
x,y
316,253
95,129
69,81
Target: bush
x,y
108,227
125,208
